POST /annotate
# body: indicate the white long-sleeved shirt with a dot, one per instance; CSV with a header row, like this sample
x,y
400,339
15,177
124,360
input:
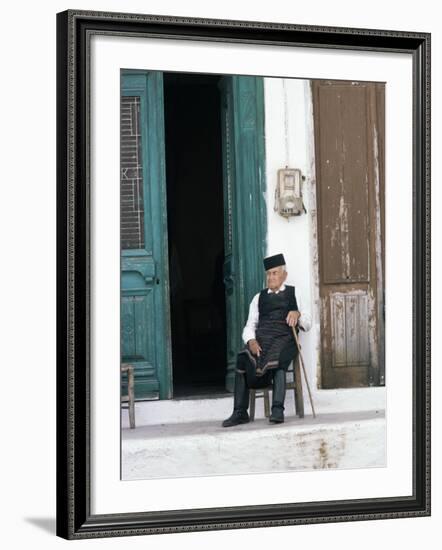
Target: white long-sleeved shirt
x,y
248,333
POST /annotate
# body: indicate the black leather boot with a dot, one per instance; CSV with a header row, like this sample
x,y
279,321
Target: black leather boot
x,y
278,397
240,403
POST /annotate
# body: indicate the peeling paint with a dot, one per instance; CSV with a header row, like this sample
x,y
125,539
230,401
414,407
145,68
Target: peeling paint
x,y
314,251
378,251
344,234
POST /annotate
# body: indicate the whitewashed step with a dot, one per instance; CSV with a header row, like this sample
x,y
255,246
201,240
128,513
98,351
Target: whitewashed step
x,y
205,448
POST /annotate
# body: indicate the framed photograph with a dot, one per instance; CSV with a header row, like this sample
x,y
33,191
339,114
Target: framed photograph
x,y
243,274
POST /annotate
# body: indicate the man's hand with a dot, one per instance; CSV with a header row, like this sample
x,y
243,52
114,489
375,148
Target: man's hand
x,y
292,318
254,347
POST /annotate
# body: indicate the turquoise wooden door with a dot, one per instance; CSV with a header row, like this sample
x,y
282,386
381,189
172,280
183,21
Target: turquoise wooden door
x,y
145,318
244,204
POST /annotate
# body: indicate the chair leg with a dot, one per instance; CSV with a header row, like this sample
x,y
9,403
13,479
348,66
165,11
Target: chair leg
x,y
131,393
266,403
132,415
252,405
299,398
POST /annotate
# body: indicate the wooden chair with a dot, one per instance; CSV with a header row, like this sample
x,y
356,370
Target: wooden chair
x,y
295,384
130,397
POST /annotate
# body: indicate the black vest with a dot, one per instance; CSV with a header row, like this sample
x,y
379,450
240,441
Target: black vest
x,y
275,307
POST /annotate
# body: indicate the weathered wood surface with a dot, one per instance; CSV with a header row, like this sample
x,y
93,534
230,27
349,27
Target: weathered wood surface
x,y
350,186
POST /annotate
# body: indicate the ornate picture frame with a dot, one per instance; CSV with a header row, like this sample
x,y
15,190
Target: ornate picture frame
x,y
75,518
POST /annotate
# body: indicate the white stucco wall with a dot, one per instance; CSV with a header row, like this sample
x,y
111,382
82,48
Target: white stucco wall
x,y
289,142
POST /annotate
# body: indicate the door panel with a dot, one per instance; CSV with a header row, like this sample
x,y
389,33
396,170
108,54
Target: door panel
x,y
349,177
244,206
145,320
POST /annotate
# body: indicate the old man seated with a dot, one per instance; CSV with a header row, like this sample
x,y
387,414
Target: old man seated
x,y
269,341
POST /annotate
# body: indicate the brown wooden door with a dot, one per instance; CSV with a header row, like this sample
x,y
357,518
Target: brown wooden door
x,y
349,141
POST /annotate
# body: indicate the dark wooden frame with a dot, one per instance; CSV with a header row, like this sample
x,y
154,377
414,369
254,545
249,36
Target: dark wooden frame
x,y
74,519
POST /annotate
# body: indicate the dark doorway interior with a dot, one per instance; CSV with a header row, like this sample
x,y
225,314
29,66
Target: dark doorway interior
x,y
195,216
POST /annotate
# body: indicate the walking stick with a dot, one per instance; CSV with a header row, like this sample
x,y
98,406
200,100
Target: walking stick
x,y
301,359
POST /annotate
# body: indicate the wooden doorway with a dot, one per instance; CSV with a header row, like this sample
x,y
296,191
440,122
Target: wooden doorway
x,y
193,226
349,157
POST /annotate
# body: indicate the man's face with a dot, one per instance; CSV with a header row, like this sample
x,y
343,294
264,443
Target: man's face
x,y
275,277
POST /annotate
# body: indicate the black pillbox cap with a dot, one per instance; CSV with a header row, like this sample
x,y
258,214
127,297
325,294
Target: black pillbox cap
x,y
274,261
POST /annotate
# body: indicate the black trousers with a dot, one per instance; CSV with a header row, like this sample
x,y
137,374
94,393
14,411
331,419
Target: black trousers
x,y
244,365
